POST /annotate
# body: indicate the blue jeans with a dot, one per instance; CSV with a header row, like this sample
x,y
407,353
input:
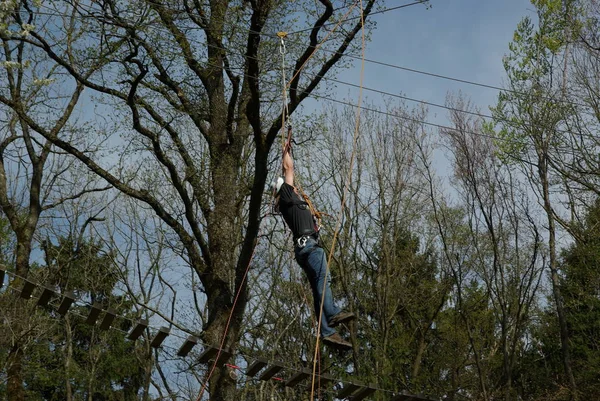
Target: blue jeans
x,y
312,260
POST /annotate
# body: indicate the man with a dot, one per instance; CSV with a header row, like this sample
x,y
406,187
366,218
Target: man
x,y
309,255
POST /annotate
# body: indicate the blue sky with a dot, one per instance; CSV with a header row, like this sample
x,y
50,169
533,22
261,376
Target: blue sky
x,y
464,39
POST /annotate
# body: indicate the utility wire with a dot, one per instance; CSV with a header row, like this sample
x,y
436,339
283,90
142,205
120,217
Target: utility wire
x,y
478,114
420,101
445,77
358,17
441,126
387,64
436,125
398,96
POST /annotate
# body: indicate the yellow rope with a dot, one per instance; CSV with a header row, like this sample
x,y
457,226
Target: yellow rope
x,y
284,110
318,215
345,190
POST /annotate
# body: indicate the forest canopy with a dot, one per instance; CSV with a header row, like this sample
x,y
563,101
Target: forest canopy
x,y
138,140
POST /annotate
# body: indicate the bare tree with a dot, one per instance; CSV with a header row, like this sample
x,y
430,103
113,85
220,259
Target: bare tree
x,y
382,263
506,241
35,179
183,74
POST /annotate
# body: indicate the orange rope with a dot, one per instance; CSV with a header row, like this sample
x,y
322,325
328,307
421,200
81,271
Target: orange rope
x,y
237,295
345,190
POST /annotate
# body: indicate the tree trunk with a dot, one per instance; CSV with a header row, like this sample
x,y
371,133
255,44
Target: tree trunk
x,y
419,356
562,320
223,228
14,387
68,358
14,373
147,378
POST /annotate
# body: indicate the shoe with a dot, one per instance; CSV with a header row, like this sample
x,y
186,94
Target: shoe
x,y
336,341
340,318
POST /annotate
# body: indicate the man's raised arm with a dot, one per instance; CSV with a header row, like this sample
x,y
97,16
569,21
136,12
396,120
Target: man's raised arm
x,y
288,168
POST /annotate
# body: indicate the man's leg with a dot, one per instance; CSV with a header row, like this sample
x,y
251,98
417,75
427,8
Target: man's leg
x,y
322,285
312,259
331,312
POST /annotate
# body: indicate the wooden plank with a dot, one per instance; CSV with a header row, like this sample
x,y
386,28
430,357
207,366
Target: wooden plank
x,y
270,371
210,353
187,346
137,331
108,319
297,378
348,389
256,366
27,290
159,337
45,297
66,303
94,313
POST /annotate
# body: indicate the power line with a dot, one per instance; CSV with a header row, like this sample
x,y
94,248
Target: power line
x,y
445,77
312,95
415,120
473,113
358,17
477,114
377,62
405,97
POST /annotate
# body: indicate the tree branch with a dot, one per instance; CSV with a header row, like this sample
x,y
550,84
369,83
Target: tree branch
x,y
295,99
314,41
73,197
141,195
163,158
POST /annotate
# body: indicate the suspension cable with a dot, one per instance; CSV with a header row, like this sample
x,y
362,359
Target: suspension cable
x,y
344,193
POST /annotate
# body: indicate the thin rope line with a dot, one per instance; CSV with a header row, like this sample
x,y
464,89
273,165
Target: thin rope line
x,y
231,314
489,86
344,193
315,96
299,186
10,287
355,56
382,92
284,109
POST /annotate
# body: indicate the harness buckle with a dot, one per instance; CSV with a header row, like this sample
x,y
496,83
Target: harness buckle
x,y
301,242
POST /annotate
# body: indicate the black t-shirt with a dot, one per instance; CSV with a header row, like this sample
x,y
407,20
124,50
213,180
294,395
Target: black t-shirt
x,y
296,212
